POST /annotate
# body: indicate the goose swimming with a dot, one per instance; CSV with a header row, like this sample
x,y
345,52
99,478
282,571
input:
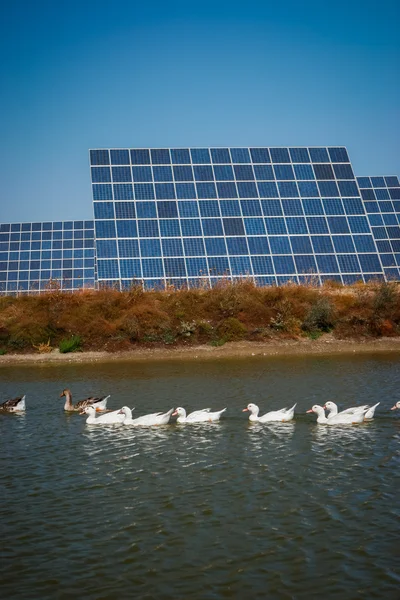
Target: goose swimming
x,y
340,418
14,405
146,420
198,416
99,404
333,410
283,415
111,418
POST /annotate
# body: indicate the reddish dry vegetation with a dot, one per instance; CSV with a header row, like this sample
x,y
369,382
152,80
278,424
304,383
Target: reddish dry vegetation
x,y
111,320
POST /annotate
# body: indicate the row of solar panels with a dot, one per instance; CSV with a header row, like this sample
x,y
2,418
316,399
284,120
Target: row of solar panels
x,y
189,217
187,156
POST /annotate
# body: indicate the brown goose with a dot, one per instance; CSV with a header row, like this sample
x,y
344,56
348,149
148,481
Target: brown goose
x,y
14,405
98,403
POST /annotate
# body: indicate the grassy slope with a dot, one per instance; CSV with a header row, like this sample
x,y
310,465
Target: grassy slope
x,y
112,320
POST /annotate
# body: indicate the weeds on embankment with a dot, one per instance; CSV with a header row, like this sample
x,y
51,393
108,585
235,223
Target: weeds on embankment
x,y
112,320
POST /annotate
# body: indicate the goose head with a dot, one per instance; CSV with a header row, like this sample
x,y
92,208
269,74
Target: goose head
x,y
252,408
179,412
317,409
89,410
125,410
331,406
65,392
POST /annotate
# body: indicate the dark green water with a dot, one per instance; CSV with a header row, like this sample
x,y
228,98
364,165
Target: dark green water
x,y
226,510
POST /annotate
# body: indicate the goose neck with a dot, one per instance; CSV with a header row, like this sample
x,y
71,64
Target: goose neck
x,y
68,400
333,410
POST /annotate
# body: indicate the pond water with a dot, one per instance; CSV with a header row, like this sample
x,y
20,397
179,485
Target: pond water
x,y
226,510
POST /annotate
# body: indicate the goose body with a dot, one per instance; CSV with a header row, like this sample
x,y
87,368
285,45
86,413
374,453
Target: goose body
x,y
369,414
14,405
340,418
146,420
198,416
111,418
396,406
283,415
99,404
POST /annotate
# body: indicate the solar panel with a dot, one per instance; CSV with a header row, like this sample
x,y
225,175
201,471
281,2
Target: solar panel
x,y
37,256
381,196
191,216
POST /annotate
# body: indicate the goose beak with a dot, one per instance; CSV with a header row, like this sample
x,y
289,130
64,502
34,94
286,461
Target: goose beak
x,y
324,407
394,407
309,411
174,413
245,410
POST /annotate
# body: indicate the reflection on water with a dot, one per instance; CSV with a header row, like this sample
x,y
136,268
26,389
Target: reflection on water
x,y
272,435
341,433
229,509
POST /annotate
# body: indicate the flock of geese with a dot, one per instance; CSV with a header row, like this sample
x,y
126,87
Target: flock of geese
x,y
93,405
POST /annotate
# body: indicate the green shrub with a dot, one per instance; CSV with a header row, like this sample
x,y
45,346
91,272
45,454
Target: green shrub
x,y
148,338
15,342
231,329
168,337
385,299
72,344
204,328
314,335
319,317
2,351
219,342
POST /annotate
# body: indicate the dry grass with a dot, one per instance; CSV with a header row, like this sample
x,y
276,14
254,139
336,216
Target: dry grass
x,y
111,320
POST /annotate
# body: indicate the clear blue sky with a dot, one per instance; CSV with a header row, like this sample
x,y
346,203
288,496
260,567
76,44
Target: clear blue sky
x,y
82,74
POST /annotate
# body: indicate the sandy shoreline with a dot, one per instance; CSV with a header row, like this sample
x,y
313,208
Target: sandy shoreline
x,y
325,345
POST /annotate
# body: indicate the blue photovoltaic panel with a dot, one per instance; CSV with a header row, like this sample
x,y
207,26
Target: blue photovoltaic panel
x,y
381,197
199,214
36,256
190,216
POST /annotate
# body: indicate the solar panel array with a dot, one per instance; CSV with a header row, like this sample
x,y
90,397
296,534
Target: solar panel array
x,y
35,256
193,215
381,197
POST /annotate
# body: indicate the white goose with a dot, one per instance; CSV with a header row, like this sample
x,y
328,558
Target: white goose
x,y
14,405
339,419
397,405
333,410
283,415
111,418
198,416
145,420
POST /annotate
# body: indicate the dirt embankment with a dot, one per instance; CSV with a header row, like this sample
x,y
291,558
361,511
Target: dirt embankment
x,y
327,344
231,319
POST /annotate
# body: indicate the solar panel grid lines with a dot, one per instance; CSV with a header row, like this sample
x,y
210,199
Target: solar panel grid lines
x,y
41,255
191,216
257,177
381,196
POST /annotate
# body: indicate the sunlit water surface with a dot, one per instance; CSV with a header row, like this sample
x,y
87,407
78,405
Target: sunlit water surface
x,y
228,510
